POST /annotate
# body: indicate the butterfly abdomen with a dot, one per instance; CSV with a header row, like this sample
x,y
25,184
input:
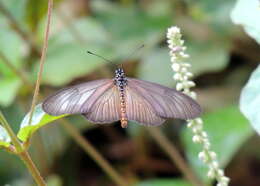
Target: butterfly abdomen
x,y
123,118
121,82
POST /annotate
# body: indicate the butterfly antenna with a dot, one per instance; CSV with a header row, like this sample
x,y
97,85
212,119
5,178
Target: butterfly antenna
x,y
133,52
107,60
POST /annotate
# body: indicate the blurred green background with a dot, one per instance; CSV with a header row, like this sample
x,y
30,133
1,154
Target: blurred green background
x,y
222,57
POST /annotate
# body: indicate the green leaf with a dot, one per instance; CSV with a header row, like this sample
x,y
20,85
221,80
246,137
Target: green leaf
x,y
250,100
8,90
35,10
39,119
96,33
11,49
247,14
5,139
156,64
14,114
213,58
136,27
227,128
156,67
67,62
67,58
11,168
215,13
164,182
16,8
104,37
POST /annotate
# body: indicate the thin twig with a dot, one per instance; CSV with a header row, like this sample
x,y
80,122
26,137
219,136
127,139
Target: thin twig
x,y
89,149
10,132
22,153
32,168
174,155
83,142
44,50
26,37
21,74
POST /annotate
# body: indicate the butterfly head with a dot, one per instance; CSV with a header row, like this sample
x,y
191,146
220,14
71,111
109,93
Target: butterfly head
x,y
120,79
119,72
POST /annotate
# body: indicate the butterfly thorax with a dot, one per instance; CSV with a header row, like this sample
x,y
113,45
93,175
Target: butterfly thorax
x,y
120,79
121,82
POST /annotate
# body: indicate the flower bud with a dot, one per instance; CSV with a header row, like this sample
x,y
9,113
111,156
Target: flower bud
x,y
202,156
213,155
211,173
177,76
196,139
176,67
179,86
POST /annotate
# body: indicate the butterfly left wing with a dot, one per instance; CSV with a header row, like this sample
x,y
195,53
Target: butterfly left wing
x,y
106,109
76,99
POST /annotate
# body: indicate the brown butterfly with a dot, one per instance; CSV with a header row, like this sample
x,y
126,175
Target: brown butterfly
x,y
122,98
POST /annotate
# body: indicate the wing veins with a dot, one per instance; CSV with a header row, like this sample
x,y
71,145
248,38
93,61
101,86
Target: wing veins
x,y
177,104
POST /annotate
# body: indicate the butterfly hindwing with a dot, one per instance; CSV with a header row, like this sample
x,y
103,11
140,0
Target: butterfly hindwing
x,y
106,109
139,109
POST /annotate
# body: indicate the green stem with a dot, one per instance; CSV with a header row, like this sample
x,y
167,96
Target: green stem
x,y
32,168
10,132
43,55
23,154
89,149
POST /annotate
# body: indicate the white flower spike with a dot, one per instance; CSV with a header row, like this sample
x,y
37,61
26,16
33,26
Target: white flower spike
x,y
184,83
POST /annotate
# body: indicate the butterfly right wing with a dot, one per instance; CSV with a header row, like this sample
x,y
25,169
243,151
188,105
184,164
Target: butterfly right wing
x,y
139,109
76,99
165,102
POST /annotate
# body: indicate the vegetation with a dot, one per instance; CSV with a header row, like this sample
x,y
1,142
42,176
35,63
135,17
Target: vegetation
x,y
70,150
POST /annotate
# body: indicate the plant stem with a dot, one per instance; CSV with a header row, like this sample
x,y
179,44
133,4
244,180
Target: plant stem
x,y
174,155
23,154
43,55
26,37
32,168
89,149
10,132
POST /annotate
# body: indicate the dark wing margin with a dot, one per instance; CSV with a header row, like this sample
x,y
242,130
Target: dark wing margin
x,y
76,99
139,109
166,102
106,109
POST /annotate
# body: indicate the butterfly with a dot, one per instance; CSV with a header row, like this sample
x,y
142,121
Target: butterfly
x,y
122,98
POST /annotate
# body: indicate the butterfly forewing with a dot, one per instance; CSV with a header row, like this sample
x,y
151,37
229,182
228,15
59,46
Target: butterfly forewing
x,y
76,99
166,102
106,109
